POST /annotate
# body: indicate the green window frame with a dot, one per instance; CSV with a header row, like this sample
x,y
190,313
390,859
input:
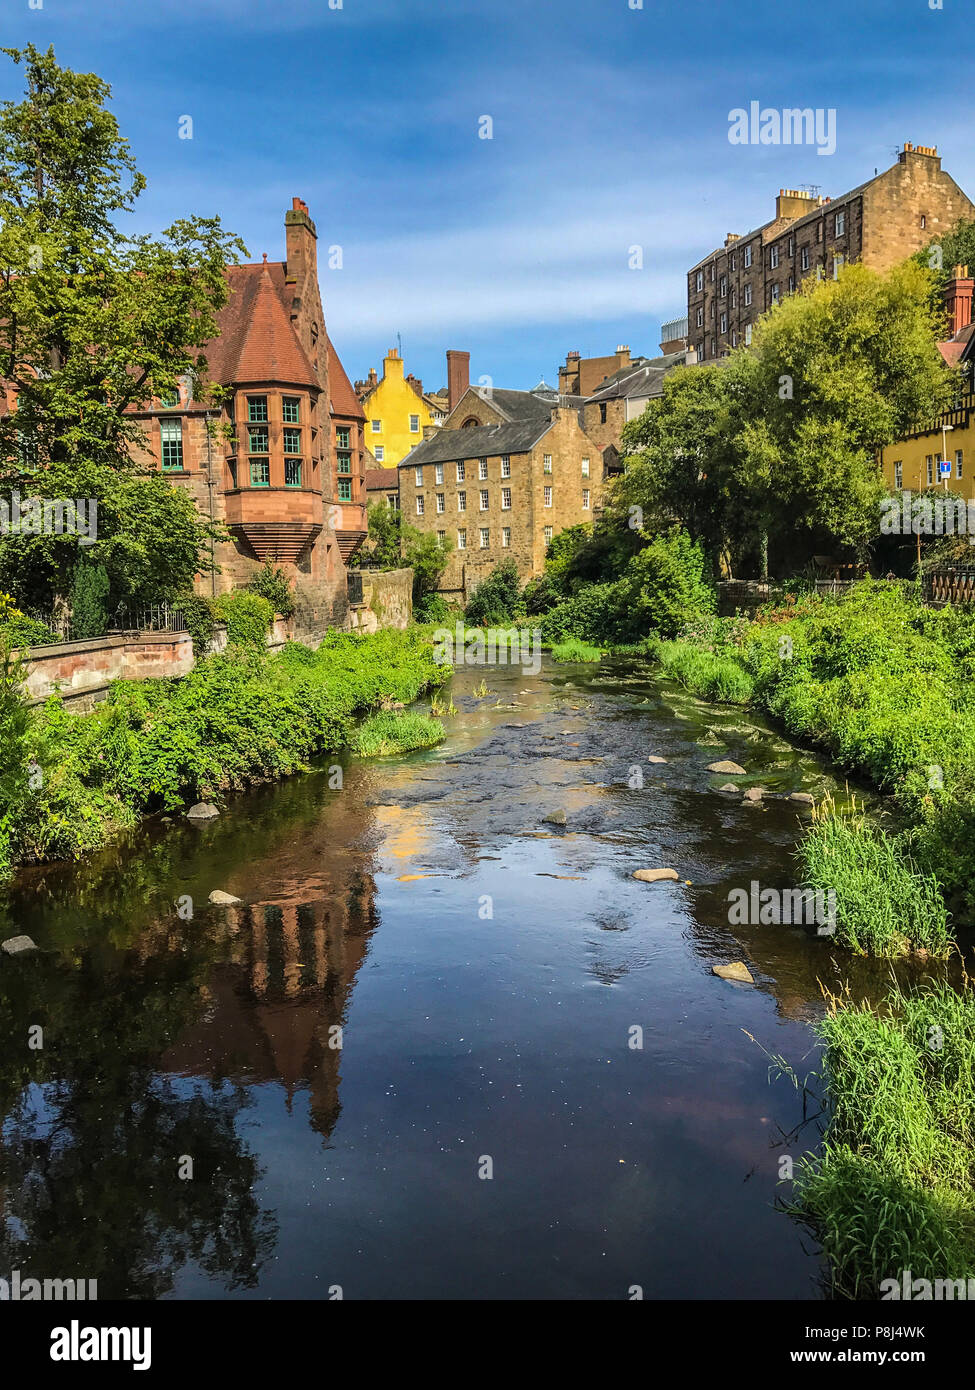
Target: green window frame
x,y
260,472
344,462
257,408
171,440
292,441
345,489
342,437
292,472
290,410
257,441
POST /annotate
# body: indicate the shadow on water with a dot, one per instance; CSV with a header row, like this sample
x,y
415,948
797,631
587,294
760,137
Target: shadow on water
x,y
427,978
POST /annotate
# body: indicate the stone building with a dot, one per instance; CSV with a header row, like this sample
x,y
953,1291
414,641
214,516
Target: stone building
x,y
281,461
382,485
397,410
509,470
623,397
880,222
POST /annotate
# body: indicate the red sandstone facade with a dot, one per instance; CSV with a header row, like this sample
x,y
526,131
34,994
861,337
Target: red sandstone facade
x,y
281,461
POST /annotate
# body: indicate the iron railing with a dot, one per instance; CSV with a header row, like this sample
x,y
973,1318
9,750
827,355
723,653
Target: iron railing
x,y
155,617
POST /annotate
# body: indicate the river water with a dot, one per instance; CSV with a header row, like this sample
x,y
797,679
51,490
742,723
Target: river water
x,y
406,1066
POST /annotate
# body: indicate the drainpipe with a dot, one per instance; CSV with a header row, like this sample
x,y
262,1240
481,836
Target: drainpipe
x,y
207,416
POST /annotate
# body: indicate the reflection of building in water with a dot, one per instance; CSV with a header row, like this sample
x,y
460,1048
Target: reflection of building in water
x,y
283,984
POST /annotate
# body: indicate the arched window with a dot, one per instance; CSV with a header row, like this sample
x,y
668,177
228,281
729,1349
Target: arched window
x,y
472,422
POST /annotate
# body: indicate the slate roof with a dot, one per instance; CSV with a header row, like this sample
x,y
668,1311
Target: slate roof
x,y
526,405
479,441
646,378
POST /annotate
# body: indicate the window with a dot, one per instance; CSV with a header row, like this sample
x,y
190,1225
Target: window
x,y
773,257
484,499
723,286
505,537
377,426
419,506
292,441
602,414
724,323
713,348
959,460
482,469
734,338
837,266
734,299
414,424
441,537
733,260
460,472
418,476
774,294
392,501
462,501
792,246
292,476
505,466
171,437
485,537
930,463
711,310
345,488
257,408
441,502
585,468
257,440
548,535
748,335
699,283
792,283
343,462
438,472
700,318
924,221
506,499
260,473
819,231
898,474
380,453
585,499
548,497
748,256
546,463
289,412
461,540
839,226
804,258
748,294
712,272
342,437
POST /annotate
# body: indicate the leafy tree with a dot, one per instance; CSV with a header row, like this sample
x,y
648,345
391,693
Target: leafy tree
x,y
89,610
496,600
272,583
93,325
385,540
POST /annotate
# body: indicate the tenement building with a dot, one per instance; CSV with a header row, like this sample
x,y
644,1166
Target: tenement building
x,y
506,473
285,472
879,223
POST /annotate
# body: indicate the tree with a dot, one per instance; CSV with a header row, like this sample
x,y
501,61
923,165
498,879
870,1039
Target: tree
x,y
94,324
783,438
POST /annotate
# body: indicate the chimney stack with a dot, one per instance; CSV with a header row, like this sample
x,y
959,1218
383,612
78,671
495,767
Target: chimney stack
x,y
458,375
300,239
958,299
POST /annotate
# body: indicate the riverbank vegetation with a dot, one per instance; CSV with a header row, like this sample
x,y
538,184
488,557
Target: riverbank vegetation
x,y
72,781
892,1188
389,732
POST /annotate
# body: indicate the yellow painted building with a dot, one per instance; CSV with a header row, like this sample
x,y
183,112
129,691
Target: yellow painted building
x,y
396,413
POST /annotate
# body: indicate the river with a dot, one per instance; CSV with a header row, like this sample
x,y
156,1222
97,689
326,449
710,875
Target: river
x,y
407,1065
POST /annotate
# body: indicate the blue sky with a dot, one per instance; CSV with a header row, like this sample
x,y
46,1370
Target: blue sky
x,y
610,130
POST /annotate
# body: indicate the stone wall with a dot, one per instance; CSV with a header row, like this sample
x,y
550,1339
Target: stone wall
x,y
388,596
83,671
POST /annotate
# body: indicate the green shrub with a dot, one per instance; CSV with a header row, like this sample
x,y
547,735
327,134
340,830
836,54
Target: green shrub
x,y
574,650
273,584
669,574
496,600
431,608
89,601
711,675
248,617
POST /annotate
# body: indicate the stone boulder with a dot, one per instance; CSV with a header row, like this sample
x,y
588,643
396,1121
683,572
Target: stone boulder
x,y
17,946
737,970
727,766
657,875
203,810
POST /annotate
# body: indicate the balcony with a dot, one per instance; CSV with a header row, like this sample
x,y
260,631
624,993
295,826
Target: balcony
x,y
275,523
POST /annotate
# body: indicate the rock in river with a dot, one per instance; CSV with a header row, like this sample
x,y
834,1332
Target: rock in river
x,y
803,798
556,817
655,875
726,766
221,899
17,946
203,810
737,970
653,759
754,793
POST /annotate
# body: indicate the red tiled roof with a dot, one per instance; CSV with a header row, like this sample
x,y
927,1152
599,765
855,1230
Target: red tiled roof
x,y
344,400
257,341
386,478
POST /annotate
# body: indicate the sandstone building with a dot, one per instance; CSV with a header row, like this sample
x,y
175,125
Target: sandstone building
x,y
880,222
285,473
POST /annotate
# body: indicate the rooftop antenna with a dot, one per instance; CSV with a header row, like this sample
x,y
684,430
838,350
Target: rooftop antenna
x,y
811,188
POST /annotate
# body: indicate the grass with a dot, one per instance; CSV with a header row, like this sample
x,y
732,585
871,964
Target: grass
x,y
893,1187
383,734
885,905
708,674
574,649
